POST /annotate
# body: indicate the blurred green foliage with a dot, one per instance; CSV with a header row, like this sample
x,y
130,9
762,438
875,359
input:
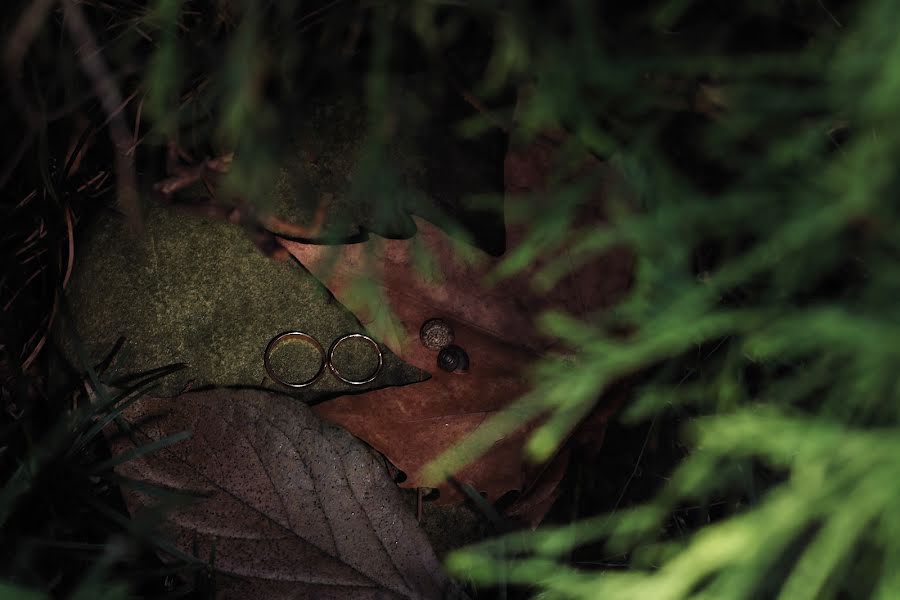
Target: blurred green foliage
x,y
766,245
759,143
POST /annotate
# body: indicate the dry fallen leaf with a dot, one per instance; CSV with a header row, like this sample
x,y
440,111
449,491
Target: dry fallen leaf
x,y
292,507
414,424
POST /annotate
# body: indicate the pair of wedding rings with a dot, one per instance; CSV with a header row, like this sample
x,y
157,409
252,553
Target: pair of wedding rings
x,y
326,358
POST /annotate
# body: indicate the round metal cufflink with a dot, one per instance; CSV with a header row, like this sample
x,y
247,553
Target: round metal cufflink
x,y
436,334
329,358
297,335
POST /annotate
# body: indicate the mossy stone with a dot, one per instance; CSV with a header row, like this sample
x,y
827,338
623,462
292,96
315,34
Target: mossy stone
x,y
198,291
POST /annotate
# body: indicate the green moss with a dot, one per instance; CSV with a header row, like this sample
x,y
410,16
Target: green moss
x,y
198,291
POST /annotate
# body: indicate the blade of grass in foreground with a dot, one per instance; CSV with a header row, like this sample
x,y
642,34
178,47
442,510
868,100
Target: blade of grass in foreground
x,y
141,451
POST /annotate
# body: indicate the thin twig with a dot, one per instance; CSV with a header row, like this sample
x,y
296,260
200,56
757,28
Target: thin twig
x,y
28,281
137,124
420,493
119,108
830,14
27,27
70,232
107,91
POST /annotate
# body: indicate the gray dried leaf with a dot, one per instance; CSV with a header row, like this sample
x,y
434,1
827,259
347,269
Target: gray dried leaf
x,y
291,506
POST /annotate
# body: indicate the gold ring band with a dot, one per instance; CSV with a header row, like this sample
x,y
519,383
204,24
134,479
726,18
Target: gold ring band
x,y
340,340
304,336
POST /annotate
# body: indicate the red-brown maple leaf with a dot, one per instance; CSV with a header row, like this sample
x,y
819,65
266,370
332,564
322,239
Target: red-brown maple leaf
x,y
413,424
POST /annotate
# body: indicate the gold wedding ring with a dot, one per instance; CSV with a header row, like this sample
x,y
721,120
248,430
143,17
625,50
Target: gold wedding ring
x,y
325,360
296,335
343,339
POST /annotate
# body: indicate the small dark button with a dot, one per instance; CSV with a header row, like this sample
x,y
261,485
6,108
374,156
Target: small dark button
x,y
453,359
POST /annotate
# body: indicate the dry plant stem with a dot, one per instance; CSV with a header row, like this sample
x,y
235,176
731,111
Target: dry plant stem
x,y
420,493
70,233
26,200
111,99
17,45
27,27
136,139
186,176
